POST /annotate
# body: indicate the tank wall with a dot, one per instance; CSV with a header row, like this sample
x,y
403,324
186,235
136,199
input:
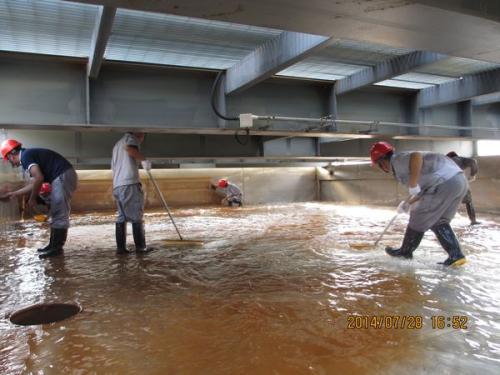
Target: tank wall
x,y
362,184
190,187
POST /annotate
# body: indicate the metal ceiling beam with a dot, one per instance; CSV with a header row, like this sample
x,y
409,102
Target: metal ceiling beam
x,y
486,99
271,57
387,69
102,31
164,130
231,132
467,87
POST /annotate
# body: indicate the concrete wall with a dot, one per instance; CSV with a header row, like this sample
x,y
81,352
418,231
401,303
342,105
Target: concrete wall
x,y
362,184
41,92
487,116
189,187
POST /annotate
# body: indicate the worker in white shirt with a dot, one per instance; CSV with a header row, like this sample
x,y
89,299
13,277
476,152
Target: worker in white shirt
x,y
127,191
436,186
232,193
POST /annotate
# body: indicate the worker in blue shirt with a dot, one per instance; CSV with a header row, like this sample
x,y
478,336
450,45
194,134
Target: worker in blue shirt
x,y
45,166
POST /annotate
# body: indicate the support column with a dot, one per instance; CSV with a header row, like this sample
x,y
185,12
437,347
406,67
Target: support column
x,y
220,101
413,115
464,118
87,99
331,110
332,102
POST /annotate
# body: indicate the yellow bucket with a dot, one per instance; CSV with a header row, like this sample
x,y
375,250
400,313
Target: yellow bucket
x,y
40,218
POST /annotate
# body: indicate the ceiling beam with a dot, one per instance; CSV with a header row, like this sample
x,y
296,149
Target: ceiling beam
x,y
486,99
231,132
102,31
465,88
386,69
271,57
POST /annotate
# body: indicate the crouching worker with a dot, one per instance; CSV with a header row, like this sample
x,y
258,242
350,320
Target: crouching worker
x,y
45,166
232,193
436,186
127,191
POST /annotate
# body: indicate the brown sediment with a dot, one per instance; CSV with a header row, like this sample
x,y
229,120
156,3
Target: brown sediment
x,y
270,291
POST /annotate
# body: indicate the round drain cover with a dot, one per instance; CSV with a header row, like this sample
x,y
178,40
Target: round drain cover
x,y
44,313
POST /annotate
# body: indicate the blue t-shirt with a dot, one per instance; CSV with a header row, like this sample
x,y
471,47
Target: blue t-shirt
x,y
50,163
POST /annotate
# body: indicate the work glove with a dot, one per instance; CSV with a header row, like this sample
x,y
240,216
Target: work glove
x,y
404,208
415,190
146,165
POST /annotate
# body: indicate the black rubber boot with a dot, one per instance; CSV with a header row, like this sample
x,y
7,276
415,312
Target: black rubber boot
x,y
449,242
45,248
58,241
471,212
410,243
121,238
140,238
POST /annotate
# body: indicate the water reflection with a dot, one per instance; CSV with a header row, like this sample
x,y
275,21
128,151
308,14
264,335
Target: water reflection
x,y
269,292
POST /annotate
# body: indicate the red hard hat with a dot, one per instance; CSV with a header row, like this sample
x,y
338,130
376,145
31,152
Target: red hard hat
x,y
45,189
378,150
222,183
7,146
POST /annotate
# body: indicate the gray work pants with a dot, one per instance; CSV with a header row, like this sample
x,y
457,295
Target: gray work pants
x,y
63,188
130,203
439,204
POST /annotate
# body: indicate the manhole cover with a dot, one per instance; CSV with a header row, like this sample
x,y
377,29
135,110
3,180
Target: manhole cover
x,y
44,313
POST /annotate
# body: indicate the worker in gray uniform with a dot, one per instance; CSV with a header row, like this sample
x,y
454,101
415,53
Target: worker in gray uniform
x,y
127,191
232,193
471,164
45,166
436,186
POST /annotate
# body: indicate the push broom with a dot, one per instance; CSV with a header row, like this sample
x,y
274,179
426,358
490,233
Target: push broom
x,y
181,240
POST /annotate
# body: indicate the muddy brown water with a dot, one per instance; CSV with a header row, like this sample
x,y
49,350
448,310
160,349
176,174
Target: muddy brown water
x,y
271,291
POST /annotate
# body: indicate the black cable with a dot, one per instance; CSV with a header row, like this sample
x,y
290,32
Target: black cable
x,y
247,138
212,100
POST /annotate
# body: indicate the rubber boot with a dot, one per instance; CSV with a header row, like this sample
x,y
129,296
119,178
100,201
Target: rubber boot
x,y
449,242
121,238
410,243
45,248
58,241
471,213
140,238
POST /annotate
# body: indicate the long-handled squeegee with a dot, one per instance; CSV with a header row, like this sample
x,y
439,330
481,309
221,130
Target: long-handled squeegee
x,y
162,198
360,246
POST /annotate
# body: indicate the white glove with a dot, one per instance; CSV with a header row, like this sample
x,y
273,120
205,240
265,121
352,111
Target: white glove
x,y
404,208
146,164
415,190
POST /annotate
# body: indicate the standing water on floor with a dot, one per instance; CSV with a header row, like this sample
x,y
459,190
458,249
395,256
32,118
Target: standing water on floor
x,y
273,290
9,210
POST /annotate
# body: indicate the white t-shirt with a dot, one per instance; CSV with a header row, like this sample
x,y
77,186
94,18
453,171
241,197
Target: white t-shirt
x,y
436,168
125,168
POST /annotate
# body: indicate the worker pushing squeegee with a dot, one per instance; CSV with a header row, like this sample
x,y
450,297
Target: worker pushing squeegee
x,y
436,186
127,191
129,196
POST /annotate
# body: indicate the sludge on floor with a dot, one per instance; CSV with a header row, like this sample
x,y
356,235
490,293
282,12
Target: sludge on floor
x,y
271,290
